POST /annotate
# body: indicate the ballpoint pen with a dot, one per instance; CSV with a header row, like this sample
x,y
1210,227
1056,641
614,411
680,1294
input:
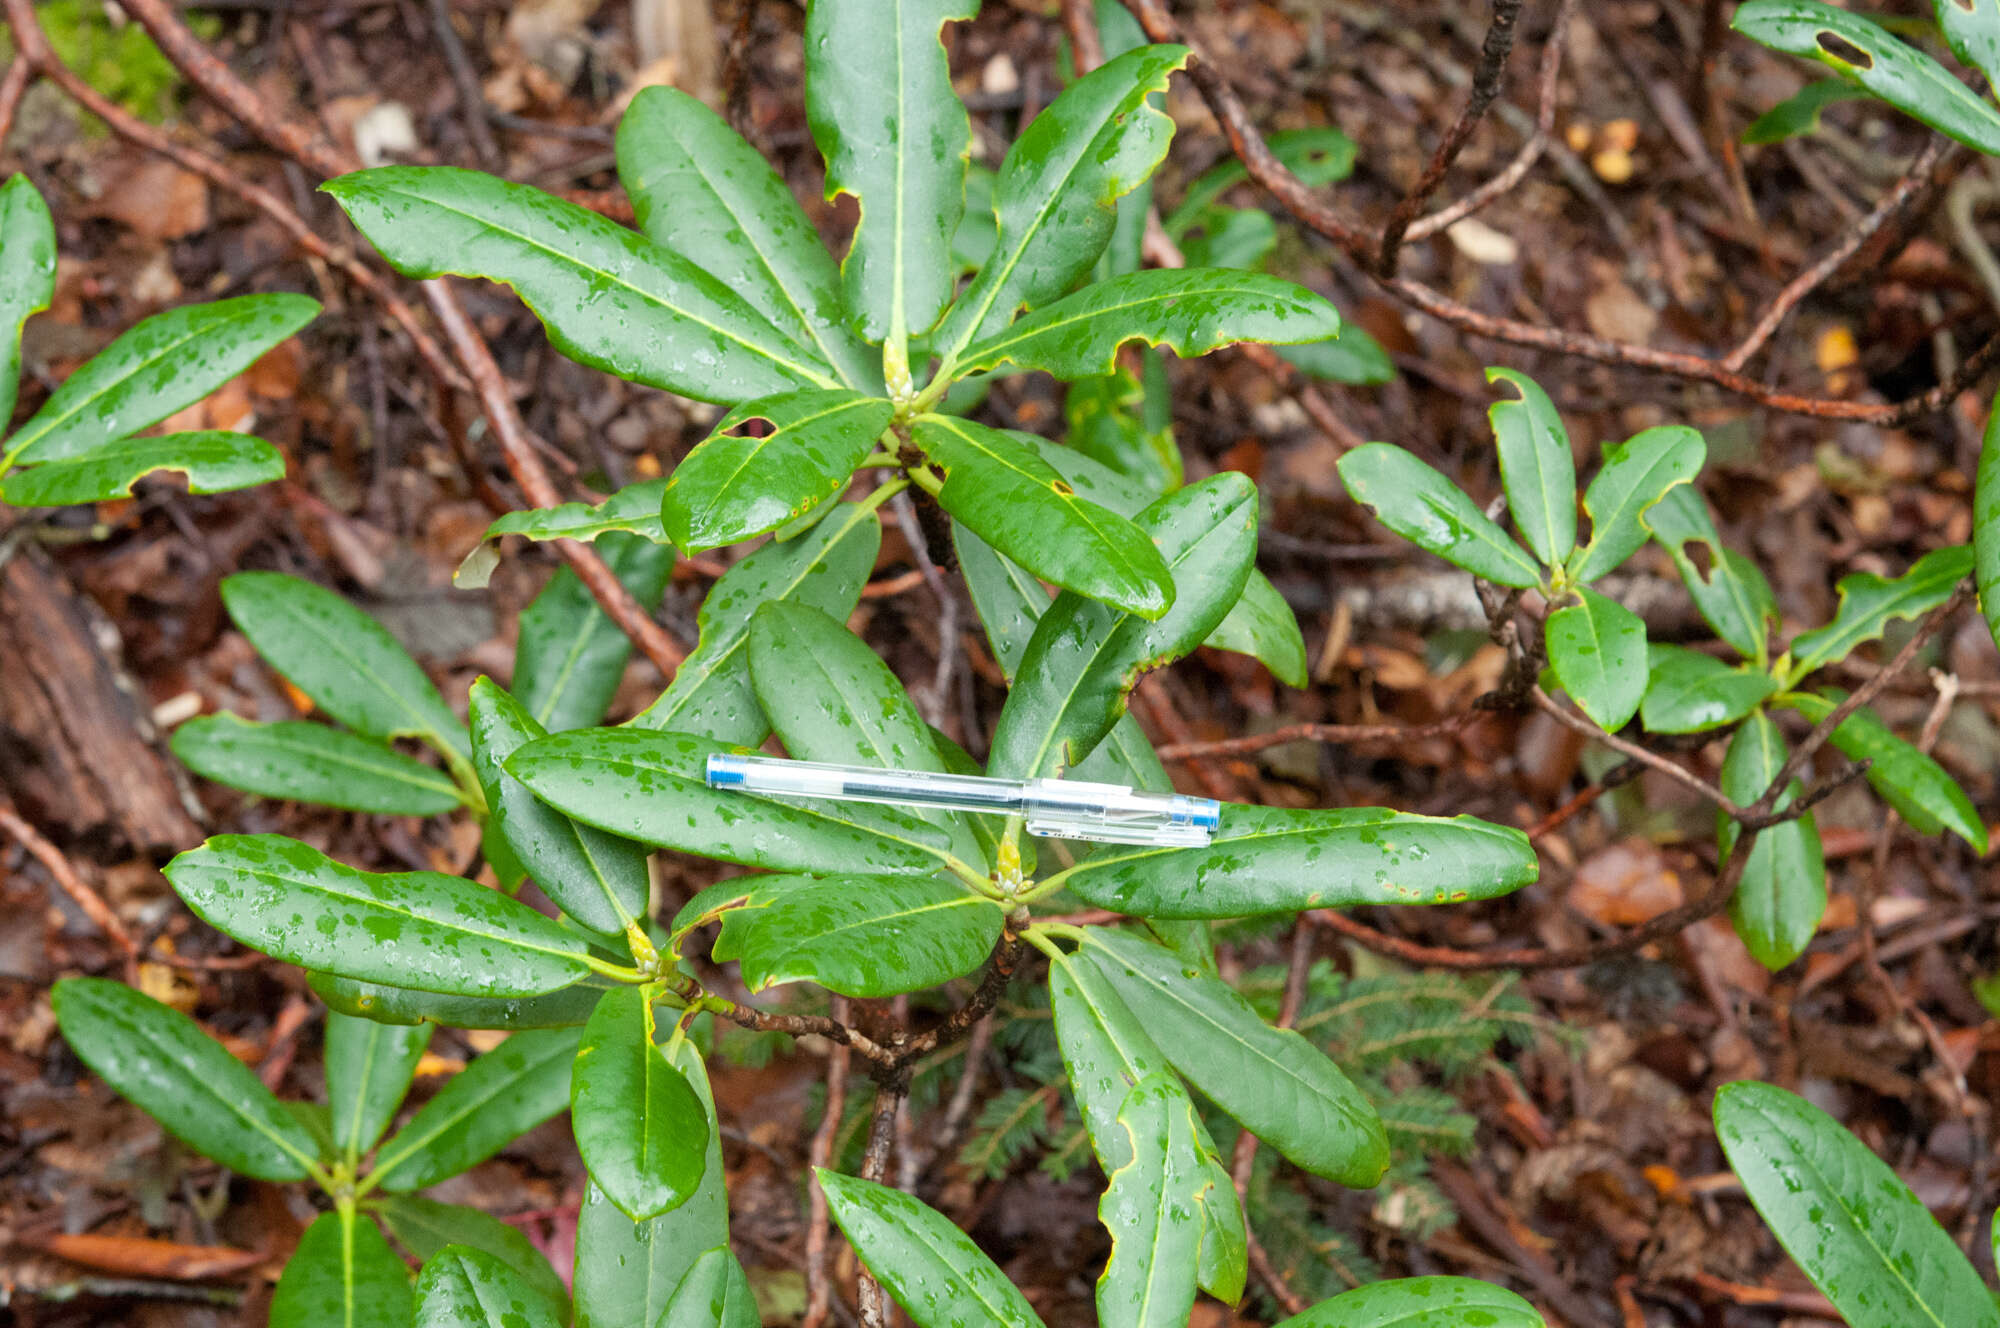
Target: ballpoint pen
x,y
1056,808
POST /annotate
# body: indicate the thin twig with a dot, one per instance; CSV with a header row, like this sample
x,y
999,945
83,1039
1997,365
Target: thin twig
x,y
1085,46
889,1096
1356,734
71,883
13,86
464,78
1243,1164
819,1286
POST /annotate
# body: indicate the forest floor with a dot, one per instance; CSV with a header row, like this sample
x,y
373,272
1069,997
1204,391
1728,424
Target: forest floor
x,y
1594,1183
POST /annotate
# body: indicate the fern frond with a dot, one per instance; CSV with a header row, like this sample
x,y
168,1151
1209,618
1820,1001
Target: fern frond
x,y
1012,1122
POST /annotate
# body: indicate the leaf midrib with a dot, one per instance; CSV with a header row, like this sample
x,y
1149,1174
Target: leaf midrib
x,y
998,349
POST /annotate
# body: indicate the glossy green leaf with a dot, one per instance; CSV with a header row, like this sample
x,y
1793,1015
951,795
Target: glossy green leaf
x,y
1849,1221
343,1275
369,1067
1282,860
653,787
1152,1208
1421,1302
1727,589
1799,113
1107,422
1598,650
1637,473
313,763
570,655
1689,692
27,278
1318,156
608,297
1782,893
1867,55
732,487
425,1226
626,1271
831,698
715,1294
1972,29
1231,237
999,487
1056,196
1868,603
895,136
464,1287
343,659
486,1106
934,1271
862,936
1986,524
598,879
1278,1085
1907,778
211,461
162,363
824,567
1536,467
1084,657
417,929
1421,505
641,1130
700,191
634,509
1189,310
1352,357
567,1008
163,1062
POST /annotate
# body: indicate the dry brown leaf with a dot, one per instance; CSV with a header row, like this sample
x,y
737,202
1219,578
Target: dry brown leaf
x,y
133,1256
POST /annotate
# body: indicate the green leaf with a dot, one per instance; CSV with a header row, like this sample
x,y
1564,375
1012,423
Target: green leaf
x,y
639,1126
859,935
212,461
627,1271
896,137
1421,1302
1986,524
832,699
598,879
1278,1085
313,763
609,297
343,1275
566,1008
1727,589
1637,473
1107,422
1318,156
634,509
1799,113
1863,53
1972,29
162,363
425,1226
732,487
1152,1208
1085,657
1851,1223
343,659
1425,508
999,487
463,1287
935,1272
1908,779
824,567
700,191
418,929
486,1106
570,655
653,787
1056,197
27,278
167,1066
1536,467
1689,692
1598,650
1282,860
1352,357
1230,237
1189,310
1782,893
369,1067
715,1294
1868,603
